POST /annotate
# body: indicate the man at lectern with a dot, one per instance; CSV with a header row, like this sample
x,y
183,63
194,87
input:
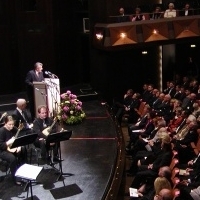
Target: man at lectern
x,y
33,75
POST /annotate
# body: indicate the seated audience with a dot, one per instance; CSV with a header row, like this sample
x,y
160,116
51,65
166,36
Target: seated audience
x,y
186,11
182,140
120,106
138,16
188,102
176,121
131,110
122,17
164,194
157,14
158,101
171,12
141,122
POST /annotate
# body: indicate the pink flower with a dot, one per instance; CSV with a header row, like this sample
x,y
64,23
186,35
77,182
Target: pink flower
x,y
64,117
78,107
66,108
68,92
80,103
63,96
74,97
72,101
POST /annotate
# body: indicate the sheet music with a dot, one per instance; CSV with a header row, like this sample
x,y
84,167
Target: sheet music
x,y
29,172
133,192
182,172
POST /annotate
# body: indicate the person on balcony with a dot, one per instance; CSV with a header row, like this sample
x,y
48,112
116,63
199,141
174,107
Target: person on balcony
x,y
171,12
138,16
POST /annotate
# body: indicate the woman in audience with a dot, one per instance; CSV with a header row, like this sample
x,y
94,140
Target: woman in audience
x,y
176,121
171,12
138,16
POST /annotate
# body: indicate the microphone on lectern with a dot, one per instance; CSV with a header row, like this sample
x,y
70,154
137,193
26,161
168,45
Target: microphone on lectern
x,y
51,75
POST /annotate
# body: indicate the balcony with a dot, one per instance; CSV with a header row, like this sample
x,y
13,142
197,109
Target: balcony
x,y
160,31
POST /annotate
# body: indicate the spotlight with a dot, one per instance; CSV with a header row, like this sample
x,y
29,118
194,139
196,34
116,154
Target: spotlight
x,y
155,31
123,35
144,52
193,45
99,36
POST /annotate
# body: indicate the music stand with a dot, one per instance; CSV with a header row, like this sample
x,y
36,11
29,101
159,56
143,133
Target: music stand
x,y
24,140
57,138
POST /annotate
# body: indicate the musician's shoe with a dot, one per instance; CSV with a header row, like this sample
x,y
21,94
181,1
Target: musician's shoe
x,y
56,159
19,183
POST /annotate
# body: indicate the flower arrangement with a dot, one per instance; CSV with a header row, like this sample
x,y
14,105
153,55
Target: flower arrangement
x,y
70,109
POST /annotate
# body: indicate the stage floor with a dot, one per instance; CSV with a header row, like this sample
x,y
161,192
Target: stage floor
x,y
89,156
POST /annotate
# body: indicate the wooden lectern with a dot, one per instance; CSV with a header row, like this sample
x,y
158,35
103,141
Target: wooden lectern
x,y
40,95
47,93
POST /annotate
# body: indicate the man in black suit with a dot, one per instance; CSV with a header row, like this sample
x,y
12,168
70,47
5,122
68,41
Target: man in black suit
x,y
172,89
186,11
122,17
33,75
20,115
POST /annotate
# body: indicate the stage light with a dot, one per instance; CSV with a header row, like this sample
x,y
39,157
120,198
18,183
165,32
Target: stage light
x,y
99,36
144,52
155,31
123,35
193,45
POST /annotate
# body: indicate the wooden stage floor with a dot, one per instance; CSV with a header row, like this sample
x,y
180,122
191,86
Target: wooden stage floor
x,y
89,157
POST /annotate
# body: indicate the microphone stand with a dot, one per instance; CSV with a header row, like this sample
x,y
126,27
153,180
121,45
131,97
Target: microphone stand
x,y
53,95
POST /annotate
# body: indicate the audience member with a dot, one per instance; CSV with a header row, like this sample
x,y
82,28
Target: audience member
x,y
122,17
138,16
157,14
171,12
186,11
164,194
120,106
150,169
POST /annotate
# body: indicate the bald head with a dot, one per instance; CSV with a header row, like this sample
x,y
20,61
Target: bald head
x,y
165,172
166,194
21,104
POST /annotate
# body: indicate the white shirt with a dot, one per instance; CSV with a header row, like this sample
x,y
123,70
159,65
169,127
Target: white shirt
x,y
170,13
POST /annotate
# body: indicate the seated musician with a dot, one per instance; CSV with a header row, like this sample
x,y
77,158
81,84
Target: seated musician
x,y
14,156
20,115
40,124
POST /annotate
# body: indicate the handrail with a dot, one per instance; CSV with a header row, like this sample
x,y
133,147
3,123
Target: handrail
x,y
115,179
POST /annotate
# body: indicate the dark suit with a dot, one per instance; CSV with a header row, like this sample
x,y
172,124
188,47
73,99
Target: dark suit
x,y
141,124
25,119
172,92
186,153
188,104
38,126
123,18
183,12
163,159
30,78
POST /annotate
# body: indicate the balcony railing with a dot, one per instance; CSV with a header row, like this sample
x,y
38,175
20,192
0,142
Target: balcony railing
x,y
146,31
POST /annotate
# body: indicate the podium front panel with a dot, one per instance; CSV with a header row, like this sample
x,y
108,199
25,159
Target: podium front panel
x,y
40,95
53,95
